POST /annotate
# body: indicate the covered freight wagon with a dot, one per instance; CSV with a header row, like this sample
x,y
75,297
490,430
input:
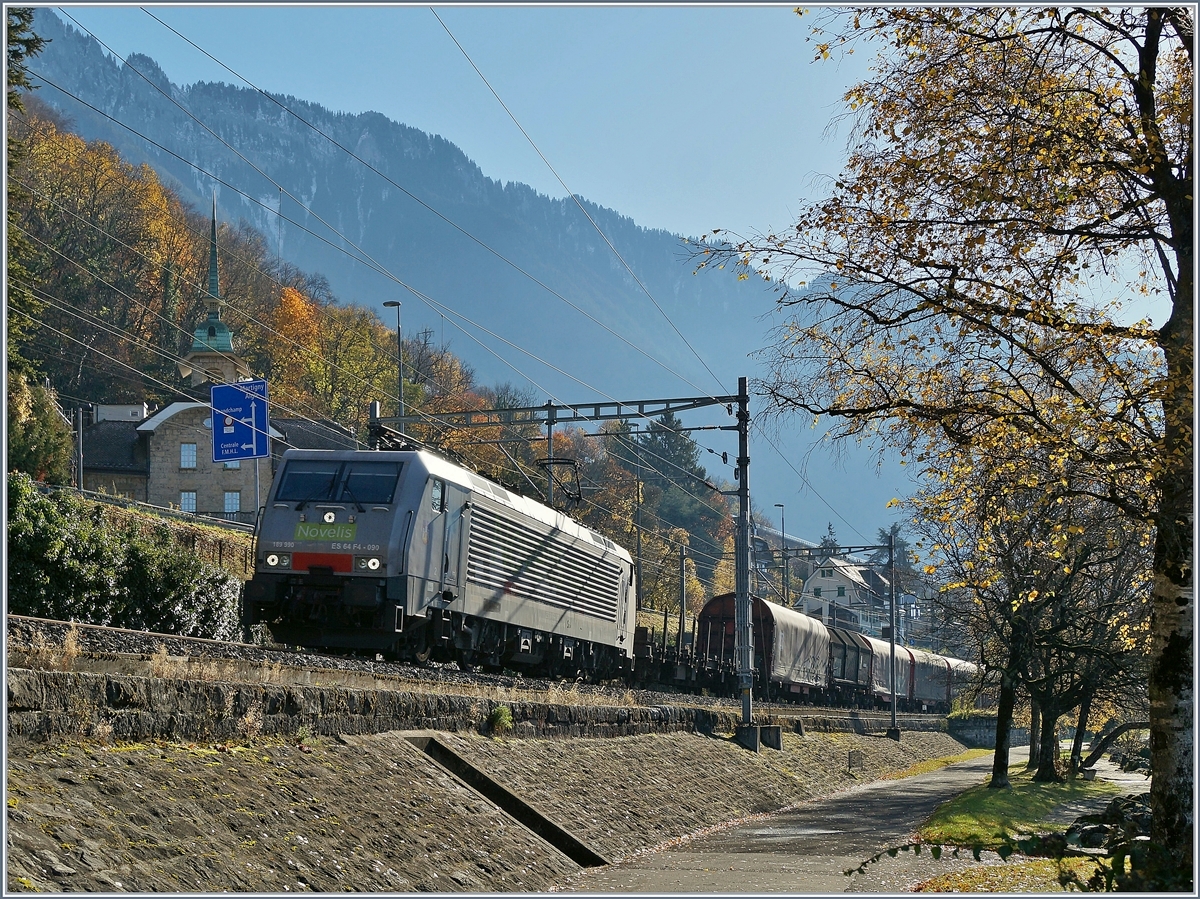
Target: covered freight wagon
x,y
881,671
791,650
930,682
849,666
962,674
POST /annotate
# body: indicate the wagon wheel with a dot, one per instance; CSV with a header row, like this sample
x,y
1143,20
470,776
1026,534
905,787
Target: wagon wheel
x,y
421,656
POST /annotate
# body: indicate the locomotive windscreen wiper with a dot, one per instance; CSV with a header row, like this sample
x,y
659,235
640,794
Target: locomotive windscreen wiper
x,y
347,491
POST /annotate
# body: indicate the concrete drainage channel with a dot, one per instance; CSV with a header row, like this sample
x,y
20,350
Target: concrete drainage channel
x,y
507,801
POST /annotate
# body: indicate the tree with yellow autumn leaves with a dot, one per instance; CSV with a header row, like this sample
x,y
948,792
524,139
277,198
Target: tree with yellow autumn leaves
x,y
1053,588
1019,179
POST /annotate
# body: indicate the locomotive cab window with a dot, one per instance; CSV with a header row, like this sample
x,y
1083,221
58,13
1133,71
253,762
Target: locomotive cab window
x,y
370,482
308,480
437,493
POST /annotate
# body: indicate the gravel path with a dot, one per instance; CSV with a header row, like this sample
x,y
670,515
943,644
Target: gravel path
x,y
803,850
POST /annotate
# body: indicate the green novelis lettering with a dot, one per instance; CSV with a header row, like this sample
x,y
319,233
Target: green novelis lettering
x,y
315,530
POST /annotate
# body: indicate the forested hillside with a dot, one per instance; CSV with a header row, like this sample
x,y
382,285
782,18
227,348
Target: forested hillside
x,y
364,186
113,279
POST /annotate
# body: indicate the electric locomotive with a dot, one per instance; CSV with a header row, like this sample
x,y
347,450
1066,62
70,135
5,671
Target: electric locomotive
x,y
406,554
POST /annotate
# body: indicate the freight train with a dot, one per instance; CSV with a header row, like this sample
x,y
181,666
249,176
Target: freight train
x,y
799,659
401,552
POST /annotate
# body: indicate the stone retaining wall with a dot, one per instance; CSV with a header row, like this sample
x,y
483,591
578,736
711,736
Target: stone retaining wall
x,y
49,704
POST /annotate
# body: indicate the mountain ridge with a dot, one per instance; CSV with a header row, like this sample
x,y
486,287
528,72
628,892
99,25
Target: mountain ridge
x,y
550,238
725,320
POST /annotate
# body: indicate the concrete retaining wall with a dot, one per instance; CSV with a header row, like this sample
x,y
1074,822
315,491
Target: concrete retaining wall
x,y
980,732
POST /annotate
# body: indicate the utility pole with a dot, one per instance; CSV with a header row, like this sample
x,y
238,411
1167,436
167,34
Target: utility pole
x,y
79,449
784,553
399,359
894,732
682,599
550,453
638,520
743,628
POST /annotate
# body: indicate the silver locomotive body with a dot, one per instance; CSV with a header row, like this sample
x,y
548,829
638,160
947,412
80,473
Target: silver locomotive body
x,y
407,554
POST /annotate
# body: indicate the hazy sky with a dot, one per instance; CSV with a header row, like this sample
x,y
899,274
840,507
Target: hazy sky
x,y
686,118
683,118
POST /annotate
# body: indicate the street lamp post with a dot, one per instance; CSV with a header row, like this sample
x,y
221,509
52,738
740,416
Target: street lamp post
x,y
787,601
399,358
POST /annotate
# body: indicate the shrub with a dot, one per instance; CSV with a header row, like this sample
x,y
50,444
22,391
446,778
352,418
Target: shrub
x,y
68,561
60,564
500,721
174,592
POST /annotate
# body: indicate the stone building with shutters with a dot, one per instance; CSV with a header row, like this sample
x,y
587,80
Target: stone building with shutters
x,y
164,457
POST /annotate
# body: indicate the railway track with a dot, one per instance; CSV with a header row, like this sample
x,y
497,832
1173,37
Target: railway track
x,y
28,637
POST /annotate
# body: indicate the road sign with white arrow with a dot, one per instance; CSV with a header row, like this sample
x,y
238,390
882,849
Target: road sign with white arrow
x,y
239,421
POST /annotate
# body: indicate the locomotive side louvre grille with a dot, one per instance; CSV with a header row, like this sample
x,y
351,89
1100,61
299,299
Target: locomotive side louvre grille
x,y
527,564
506,555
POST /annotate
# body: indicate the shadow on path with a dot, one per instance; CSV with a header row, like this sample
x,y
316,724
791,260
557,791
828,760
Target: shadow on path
x,y
805,850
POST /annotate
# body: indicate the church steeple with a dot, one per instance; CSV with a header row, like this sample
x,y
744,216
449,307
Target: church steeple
x,y
214,286
212,357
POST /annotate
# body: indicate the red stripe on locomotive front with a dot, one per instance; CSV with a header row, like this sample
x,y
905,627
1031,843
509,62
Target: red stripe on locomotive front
x,y
336,561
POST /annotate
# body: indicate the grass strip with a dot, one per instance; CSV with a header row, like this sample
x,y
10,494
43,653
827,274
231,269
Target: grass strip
x,y
985,817
936,764
1039,875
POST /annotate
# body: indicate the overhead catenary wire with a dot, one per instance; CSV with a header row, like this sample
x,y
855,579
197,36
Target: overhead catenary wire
x,y
616,253
429,300
577,202
365,256
664,538
143,376
41,294
366,259
416,199
97,322
265,327
465,232
363,259
175,358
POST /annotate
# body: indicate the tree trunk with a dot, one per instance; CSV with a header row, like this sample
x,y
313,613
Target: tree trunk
x,y
1047,769
1085,709
1099,748
1172,685
1035,735
1004,713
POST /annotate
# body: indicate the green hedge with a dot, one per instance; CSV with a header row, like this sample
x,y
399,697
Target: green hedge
x,y
68,560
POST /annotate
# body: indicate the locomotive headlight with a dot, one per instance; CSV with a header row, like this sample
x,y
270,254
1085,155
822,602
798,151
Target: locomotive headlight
x,y
367,563
279,560
330,517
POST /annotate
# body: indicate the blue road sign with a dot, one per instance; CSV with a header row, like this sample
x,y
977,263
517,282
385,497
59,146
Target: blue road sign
x,y
239,421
